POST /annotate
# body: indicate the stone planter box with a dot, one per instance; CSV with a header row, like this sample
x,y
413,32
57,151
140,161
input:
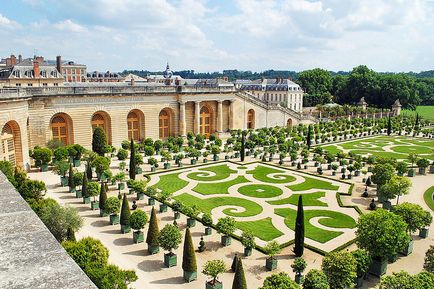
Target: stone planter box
x,y
248,251
77,163
208,231
215,158
153,249
44,167
193,161
114,219
102,213
125,229
226,240
190,276
411,173
63,181
191,222
422,171
94,205
299,279
153,169
151,201
166,166
408,249
121,186
78,194
378,267
170,260
140,196
271,264
138,237
86,200
216,285
423,233
163,208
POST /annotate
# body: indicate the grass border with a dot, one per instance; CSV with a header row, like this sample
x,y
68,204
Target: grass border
x,y
427,197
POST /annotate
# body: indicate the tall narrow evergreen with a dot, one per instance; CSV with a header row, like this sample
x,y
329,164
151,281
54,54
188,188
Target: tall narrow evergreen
x,y
239,277
70,177
153,231
125,212
389,126
417,119
299,229
188,255
235,263
309,137
102,197
243,146
84,192
99,141
89,170
132,161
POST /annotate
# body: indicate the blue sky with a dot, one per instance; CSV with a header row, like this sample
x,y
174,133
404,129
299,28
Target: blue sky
x,y
386,35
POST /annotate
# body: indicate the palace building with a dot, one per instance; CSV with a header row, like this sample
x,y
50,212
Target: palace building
x,y
33,116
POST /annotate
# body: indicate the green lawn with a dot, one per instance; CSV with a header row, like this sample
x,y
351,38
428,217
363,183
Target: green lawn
x,y
218,188
427,196
310,183
263,229
332,219
221,173
310,199
260,191
261,174
332,149
412,149
206,205
426,112
171,183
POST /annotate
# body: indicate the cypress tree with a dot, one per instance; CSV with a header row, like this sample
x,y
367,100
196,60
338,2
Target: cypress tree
x,y
417,119
89,171
70,177
102,197
239,278
188,255
243,144
235,263
84,186
389,126
99,140
132,171
125,212
153,231
309,137
299,229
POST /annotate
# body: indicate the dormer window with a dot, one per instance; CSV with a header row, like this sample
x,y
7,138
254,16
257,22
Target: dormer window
x,y
29,73
54,73
17,73
43,73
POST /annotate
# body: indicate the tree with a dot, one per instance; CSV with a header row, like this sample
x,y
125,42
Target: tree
x,y
70,177
279,281
382,173
32,189
340,269
398,280
389,126
84,186
59,219
87,253
309,137
93,189
363,260
153,231
112,206
299,229
299,265
7,168
138,220
395,187
132,170
214,268
99,141
425,280
239,277
402,168
428,265
414,215
226,225
125,212
317,84
188,255
381,233
111,276
102,197
169,237
248,239
316,279
243,144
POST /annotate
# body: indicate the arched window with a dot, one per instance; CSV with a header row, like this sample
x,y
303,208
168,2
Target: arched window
x,y
205,121
251,119
102,119
133,121
289,123
164,124
7,145
59,129
98,121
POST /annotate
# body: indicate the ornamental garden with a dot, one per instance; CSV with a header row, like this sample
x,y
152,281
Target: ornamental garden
x,y
331,189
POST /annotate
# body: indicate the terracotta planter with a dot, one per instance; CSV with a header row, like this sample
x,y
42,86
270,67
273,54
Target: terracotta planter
x,y
138,237
170,260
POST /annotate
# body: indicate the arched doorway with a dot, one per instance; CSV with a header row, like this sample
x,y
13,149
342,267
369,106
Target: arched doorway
x,y
289,122
102,119
61,128
10,144
135,121
164,124
205,121
251,119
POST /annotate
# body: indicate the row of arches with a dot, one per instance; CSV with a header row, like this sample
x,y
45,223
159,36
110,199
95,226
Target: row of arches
x,y
11,144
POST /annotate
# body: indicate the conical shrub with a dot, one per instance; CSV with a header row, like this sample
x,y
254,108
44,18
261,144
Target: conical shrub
x,y
299,229
132,171
125,212
188,257
102,197
84,192
153,231
239,277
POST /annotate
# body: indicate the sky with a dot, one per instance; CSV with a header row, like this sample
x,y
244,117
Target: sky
x,y
207,35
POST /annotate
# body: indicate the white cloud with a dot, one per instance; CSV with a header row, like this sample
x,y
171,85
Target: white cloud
x,y
69,25
7,23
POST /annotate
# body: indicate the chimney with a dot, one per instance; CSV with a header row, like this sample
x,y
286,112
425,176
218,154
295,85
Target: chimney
x,y
59,63
177,81
35,69
133,81
40,59
20,58
13,60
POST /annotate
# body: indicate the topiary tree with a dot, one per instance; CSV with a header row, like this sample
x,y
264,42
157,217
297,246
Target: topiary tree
x,y
138,220
84,187
280,280
226,226
153,232
316,279
169,239
389,126
112,206
122,154
243,145
212,269
340,269
299,229
239,277
299,266
93,189
99,141
102,200
399,280
428,264
189,264
395,187
414,215
71,184
363,260
248,241
125,215
382,173
132,170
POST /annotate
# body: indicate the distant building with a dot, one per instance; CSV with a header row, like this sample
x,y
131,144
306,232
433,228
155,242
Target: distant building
x,y
274,91
71,71
104,77
30,72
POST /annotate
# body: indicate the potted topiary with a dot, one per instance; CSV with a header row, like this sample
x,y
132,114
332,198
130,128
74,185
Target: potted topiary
x,y
153,232
102,201
192,213
93,190
194,154
422,165
248,241
120,178
79,150
215,150
112,206
401,168
298,267
101,164
42,157
363,260
61,168
213,269
169,239
271,249
189,265
167,158
207,222
78,181
151,192
177,208
125,216
138,220
412,158
205,155
334,167
163,197
153,163
226,226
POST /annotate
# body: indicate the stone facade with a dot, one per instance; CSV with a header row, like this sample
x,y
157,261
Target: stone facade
x,y
69,114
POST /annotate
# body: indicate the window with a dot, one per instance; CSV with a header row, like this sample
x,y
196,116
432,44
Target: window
x,y
133,126
7,145
251,119
205,121
59,129
56,84
29,84
164,124
17,84
44,84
